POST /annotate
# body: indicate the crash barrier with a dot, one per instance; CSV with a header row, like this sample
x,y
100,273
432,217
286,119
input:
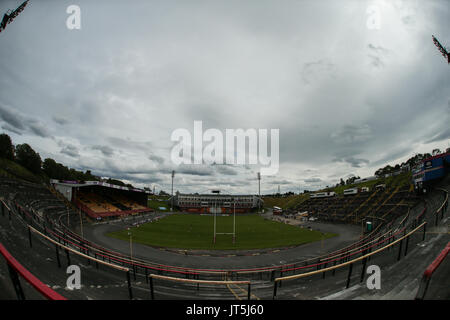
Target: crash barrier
x,y
197,282
16,269
350,263
68,249
427,275
439,215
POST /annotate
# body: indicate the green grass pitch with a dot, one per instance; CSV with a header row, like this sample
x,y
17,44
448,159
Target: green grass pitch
x,y
194,231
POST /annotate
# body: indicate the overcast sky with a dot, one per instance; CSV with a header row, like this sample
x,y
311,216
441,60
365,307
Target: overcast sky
x,y
349,93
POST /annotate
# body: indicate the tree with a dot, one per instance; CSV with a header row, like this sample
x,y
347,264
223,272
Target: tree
x,y
342,182
50,168
351,180
6,147
28,158
436,152
88,176
115,182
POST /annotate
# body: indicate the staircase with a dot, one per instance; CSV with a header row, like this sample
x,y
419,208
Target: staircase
x,y
360,206
375,205
351,200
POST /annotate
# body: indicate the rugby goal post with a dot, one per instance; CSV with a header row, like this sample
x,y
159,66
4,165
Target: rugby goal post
x,y
215,209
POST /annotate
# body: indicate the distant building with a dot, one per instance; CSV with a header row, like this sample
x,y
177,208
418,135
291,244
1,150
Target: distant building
x,y
217,203
365,179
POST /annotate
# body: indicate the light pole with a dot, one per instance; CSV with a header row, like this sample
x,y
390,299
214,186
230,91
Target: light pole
x,y
81,224
68,210
173,175
259,192
131,244
234,221
214,213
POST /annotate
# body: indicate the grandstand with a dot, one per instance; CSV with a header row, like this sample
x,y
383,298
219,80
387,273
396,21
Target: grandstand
x,y
354,205
220,203
100,200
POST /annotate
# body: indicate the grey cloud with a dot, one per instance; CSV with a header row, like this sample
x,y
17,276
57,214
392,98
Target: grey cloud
x,y
70,150
106,150
60,120
312,180
38,128
354,162
313,71
392,155
130,144
377,53
281,182
157,159
375,61
377,49
444,135
306,67
20,122
196,170
349,134
11,129
408,20
225,170
12,117
145,180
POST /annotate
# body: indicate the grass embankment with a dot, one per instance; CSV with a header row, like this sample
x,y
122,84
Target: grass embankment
x,y
155,202
285,203
401,180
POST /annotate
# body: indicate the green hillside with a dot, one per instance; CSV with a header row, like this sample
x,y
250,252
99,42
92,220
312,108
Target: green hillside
x,y
402,180
11,169
285,203
155,202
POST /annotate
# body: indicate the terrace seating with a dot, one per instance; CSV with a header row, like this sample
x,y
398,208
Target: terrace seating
x,y
354,208
96,203
107,204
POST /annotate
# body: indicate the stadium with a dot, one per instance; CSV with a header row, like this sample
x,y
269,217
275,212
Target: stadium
x,y
93,119
42,234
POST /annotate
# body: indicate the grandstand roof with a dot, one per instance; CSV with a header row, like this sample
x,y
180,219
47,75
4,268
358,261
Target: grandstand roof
x,y
217,195
79,184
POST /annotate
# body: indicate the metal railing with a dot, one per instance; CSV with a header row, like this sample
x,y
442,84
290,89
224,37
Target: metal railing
x,y
350,263
16,269
427,275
